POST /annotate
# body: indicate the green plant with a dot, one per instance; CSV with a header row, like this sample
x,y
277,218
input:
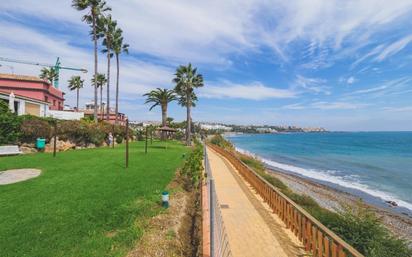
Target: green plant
x,y
219,140
9,125
193,166
119,139
161,97
187,79
76,83
33,127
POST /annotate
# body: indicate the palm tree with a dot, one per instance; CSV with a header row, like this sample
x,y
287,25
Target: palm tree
x,y
75,83
99,82
161,97
118,48
186,81
95,8
49,74
106,29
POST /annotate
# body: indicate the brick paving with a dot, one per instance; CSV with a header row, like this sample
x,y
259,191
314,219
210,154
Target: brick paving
x,y
252,228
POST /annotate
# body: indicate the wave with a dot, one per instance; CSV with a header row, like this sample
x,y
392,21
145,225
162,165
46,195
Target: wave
x,y
348,181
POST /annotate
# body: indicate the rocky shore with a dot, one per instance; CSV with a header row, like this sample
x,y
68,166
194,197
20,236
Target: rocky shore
x,y
333,199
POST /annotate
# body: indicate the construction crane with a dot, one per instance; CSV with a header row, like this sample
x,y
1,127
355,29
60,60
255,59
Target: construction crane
x,y
57,67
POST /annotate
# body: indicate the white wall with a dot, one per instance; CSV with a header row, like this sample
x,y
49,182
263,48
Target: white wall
x,y
65,115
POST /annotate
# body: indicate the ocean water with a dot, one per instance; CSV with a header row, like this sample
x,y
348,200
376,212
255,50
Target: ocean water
x,y
374,165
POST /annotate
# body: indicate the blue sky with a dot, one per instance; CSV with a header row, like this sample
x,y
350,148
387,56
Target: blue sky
x,y
342,65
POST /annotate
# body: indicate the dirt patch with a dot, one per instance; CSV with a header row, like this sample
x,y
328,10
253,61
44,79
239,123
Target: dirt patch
x,y
17,175
171,233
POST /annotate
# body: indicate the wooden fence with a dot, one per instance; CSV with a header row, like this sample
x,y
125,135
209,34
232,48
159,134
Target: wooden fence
x,y
316,238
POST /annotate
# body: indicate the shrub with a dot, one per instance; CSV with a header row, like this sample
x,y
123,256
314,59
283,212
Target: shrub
x,y
33,127
119,139
9,125
219,140
362,229
193,166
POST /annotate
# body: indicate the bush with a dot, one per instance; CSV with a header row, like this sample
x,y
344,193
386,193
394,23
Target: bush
x,y
362,229
9,125
119,139
33,127
219,140
193,167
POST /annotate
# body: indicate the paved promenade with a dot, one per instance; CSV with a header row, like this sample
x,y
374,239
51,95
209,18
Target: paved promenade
x,y
252,228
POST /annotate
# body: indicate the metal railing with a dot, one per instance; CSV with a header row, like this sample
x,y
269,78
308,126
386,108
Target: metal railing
x,y
316,238
219,243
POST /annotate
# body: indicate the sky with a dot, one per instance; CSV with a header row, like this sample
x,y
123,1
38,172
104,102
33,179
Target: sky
x,y
341,65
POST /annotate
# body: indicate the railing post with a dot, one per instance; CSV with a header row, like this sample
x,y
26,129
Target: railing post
x,y
212,217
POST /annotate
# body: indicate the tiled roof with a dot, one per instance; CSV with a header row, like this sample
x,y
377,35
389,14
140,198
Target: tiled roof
x,y
21,77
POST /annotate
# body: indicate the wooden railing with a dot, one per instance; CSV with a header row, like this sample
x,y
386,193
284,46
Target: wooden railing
x,y
316,238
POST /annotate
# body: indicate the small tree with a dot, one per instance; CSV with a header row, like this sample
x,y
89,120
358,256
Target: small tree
x,y
76,83
161,97
99,82
9,125
48,74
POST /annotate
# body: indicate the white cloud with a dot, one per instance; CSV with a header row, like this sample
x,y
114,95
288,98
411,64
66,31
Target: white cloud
x,y
389,87
336,105
350,80
209,32
312,85
398,109
394,48
323,105
136,77
252,91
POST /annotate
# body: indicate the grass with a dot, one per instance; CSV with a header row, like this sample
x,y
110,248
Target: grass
x,y
85,203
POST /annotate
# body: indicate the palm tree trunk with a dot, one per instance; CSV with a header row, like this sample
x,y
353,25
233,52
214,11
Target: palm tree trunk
x,y
117,86
108,84
95,65
188,121
77,108
101,103
164,119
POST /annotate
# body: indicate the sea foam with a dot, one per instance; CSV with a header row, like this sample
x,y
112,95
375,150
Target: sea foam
x,y
330,176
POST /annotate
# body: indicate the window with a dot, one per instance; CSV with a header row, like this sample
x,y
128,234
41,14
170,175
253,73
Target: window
x,y
54,102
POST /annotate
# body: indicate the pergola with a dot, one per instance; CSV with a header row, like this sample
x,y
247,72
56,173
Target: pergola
x,y
168,131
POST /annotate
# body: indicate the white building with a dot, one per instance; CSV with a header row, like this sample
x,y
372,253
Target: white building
x,y
24,105
215,127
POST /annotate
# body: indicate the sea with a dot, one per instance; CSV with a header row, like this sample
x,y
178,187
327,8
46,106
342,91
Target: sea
x,y
375,166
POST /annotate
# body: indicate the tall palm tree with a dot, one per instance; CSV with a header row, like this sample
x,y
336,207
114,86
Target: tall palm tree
x,y
161,97
99,82
75,83
49,74
118,48
187,79
106,29
95,9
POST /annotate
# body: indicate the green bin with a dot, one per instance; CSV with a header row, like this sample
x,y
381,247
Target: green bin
x,y
40,143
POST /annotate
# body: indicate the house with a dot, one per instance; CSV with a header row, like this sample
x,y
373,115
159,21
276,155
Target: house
x,y
102,114
33,88
24,105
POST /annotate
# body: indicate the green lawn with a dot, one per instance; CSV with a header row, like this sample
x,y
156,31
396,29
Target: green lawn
x,y
85,203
